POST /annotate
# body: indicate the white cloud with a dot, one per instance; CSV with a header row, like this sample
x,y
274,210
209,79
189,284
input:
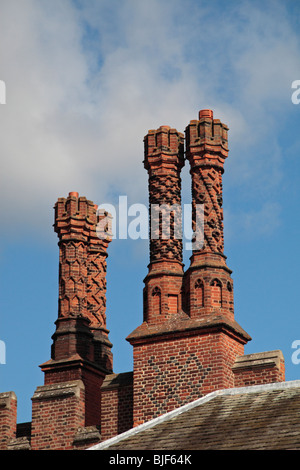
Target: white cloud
x,y
75,117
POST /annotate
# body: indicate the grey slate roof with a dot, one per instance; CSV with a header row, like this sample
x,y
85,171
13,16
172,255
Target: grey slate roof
x,y
264,417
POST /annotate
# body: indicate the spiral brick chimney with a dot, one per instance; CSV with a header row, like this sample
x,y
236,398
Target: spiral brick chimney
x,y
208,287
163,161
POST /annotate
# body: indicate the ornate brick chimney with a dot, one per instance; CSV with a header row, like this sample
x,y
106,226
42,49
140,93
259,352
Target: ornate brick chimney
x,y
81,350
81,325
189,340
208,286
163,160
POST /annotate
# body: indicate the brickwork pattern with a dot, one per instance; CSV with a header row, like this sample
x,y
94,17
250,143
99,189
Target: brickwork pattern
x,y
208,285
206,150
96,271
174,371
82,281
164,159
171,369
81,350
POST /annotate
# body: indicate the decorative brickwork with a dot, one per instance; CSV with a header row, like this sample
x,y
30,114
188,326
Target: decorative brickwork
x,y
172,370
81,350
188,344
206,151
164,160
82,278
190,351
82,281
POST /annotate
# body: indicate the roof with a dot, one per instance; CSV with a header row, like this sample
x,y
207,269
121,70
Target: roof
x,y
262,417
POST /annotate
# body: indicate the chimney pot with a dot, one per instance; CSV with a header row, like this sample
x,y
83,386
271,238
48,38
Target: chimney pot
x,y
206,113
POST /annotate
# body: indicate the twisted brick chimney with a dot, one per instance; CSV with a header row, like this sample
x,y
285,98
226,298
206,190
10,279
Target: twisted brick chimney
x,y
163,161
208,287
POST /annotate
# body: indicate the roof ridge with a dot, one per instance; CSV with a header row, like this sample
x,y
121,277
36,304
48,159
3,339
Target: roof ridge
x,y
200,401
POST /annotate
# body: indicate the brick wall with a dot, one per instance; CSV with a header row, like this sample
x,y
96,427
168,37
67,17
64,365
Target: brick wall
x,y
259,368
8,418
57,412
116,404
175,370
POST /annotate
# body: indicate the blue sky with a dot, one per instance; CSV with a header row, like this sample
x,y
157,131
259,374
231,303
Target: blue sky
x,y
85,81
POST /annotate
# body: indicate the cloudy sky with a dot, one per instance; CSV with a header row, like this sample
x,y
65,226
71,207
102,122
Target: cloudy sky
x,y
85,81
